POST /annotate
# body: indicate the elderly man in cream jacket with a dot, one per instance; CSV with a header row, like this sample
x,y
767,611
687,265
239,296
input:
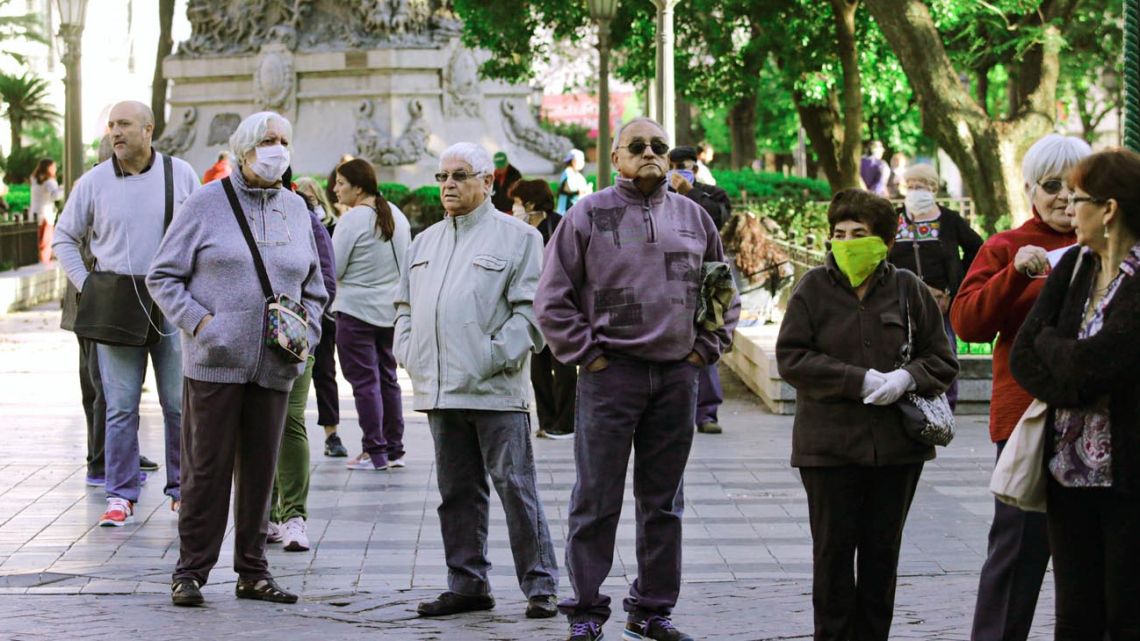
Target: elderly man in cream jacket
x,y
465,328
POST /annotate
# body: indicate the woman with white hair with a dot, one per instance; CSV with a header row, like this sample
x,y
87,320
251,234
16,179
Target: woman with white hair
x,y
236,385
934,242
993,301
572,184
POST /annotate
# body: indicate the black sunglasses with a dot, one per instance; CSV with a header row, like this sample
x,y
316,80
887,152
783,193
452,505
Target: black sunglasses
x,y
659,147
1052,186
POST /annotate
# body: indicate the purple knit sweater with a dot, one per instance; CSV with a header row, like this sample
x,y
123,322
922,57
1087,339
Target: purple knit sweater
x,y
621,275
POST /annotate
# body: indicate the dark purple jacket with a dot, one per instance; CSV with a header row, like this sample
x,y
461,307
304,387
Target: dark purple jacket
x,y
325,254
621,275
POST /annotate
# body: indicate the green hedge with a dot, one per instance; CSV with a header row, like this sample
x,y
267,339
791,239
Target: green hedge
x,y
763,185
19,197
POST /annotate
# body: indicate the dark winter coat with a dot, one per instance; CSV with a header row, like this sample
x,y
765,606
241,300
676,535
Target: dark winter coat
x,y
1052,365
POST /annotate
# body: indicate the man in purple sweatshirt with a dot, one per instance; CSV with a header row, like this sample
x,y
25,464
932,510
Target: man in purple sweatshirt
x,y
618,297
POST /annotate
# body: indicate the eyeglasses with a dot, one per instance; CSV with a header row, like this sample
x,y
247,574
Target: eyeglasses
x,y
1052,186
459,176
659,147
1076,200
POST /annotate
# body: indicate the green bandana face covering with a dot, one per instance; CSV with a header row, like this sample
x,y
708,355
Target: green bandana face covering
x,y
858,258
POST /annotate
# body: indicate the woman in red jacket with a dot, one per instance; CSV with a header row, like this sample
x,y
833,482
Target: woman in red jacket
x,y
993,301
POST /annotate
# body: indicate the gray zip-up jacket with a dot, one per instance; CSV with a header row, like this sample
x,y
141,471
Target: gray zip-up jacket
x,y
465,323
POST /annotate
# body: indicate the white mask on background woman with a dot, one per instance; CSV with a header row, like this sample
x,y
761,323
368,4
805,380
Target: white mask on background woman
x,y
919,201
519,211
271,163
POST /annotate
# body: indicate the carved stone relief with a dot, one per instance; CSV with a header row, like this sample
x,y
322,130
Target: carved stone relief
x,y
244,26
461,94
275,80
378,146
222,126
176,140
522,130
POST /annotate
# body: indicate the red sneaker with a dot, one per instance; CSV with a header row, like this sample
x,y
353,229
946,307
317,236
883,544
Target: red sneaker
x,y
119,512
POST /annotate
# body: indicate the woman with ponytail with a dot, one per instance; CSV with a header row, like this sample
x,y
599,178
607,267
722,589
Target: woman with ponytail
x,y
369,244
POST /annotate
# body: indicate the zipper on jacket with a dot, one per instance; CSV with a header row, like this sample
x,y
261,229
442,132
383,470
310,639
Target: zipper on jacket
x,y
650,226
438,297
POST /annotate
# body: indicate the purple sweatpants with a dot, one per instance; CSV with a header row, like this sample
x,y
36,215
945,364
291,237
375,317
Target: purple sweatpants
x,y
370,367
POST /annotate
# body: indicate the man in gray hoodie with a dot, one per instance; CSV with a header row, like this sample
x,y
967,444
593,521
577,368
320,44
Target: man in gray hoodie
x,y
465,329
618,296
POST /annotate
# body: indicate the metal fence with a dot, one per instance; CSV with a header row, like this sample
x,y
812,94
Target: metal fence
x,y
19,244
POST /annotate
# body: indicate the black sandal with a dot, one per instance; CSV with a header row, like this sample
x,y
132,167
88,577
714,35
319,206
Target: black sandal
x,y
263,590
185,592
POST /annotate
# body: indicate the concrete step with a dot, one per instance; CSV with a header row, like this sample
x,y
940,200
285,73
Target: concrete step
x,y
753,359
30,286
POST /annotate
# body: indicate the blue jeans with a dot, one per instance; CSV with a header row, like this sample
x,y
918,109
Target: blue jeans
x,y
123,370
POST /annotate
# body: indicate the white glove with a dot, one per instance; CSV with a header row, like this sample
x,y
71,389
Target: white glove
x,y
872,380
895,385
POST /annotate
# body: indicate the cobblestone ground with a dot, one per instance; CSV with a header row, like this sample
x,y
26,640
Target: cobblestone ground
x,y
377,550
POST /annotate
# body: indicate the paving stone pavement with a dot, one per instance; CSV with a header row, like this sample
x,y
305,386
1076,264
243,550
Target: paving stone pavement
x,y
377,550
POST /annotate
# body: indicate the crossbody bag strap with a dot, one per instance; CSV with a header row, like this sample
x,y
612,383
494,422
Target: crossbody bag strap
x,y
248,233
904,309
168,174
914,245
391,240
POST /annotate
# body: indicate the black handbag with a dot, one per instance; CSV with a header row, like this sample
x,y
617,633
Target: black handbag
x,y
116,309
926,419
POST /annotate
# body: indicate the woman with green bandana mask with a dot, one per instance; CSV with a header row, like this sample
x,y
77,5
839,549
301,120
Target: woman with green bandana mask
x,y
839,346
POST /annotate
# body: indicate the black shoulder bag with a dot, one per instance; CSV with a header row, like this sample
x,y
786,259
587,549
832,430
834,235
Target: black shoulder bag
x,y
286,321
116,309
926,419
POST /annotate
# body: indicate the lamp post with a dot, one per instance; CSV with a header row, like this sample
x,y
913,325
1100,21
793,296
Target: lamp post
x,y
603,11
666,101
71,15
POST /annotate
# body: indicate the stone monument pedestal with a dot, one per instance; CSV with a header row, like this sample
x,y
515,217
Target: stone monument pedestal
x,y
388,88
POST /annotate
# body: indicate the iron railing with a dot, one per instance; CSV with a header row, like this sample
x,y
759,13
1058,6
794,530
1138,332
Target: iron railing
x,y
19,244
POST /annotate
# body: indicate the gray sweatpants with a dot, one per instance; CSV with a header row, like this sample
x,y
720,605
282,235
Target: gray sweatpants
x,y
469,445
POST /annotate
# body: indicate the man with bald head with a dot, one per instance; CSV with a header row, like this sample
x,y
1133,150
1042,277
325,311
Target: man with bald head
x,y
618,296
124,205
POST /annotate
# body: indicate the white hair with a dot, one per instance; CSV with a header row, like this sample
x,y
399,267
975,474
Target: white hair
x,y
251,130
617,136
1052,155
478,158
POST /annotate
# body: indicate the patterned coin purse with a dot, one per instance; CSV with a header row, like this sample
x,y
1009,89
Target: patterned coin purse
x,y
287,328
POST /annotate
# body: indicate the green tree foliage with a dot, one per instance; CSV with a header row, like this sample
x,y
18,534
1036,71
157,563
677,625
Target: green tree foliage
x,y
17,28
26,102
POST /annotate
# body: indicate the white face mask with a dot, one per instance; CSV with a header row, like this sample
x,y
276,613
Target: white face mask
x,y
271,162
519,211
919,201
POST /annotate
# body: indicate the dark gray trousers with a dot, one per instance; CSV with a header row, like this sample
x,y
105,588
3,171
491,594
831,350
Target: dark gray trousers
x,y
469,446
230,432
648,408
1012,574
94,406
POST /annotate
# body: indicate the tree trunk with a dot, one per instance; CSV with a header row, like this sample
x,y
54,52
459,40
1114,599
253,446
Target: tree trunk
x,y
988,153
821,123
165,46
684,122
983,91
851,143
17,127
742,132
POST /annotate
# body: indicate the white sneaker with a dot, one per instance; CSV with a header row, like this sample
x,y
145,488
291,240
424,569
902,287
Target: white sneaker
x,y
293,532
364,462
275,533
399,462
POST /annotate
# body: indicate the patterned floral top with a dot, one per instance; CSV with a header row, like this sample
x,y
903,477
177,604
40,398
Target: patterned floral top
x,y
1081,436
